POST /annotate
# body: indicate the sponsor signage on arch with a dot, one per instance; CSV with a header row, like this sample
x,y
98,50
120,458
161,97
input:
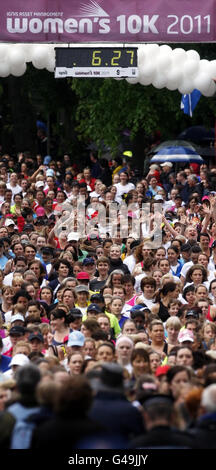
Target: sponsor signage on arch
x,y
107,21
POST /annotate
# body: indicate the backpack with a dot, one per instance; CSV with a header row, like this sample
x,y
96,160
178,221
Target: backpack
x,y
24,425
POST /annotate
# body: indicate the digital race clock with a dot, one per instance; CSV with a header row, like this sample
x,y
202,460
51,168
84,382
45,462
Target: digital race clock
x,y
96,62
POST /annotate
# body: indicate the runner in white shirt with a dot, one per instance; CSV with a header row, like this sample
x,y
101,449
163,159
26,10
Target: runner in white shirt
x,y
13,185
123,187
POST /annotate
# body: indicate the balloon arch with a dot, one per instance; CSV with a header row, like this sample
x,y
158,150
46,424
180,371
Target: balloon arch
x,y
160,66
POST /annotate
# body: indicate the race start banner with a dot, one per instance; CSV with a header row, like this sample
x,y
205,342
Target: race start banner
x,y
124,21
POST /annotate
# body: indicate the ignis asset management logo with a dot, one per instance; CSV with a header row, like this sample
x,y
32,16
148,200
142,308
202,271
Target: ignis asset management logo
x,y
93,19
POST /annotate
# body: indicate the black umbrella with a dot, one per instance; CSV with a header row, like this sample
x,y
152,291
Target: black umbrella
x,y
198,134
206,151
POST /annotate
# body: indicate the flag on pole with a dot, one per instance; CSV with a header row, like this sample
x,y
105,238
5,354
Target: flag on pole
x,y
189,102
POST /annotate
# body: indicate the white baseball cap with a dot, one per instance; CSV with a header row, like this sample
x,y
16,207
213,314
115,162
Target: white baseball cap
x,y
39,184
167,164
19,360
185,335
153,166
16,317
73,236
9,222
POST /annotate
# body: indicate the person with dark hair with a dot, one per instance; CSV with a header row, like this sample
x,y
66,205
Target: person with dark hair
x,y
30,252
163,298
177,377
157,336
95,165
21,299
194,254
75,318
158,413
89,327
97,283
40,272
106,352
116,261
17,422
138,316
60,326
140,362
184,356
46,295
209,375
173,257
128,282
36,341
148,287
124,186
61,270
189,295
71,425
110,406
196,274
117,165
106,175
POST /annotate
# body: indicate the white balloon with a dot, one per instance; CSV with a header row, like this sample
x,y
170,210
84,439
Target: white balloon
x,y
4,69
172,85
186,86
165,49
28,51
159,81
146,80
148,69
51,47
211,90
204,66
174,78
178,56
4,49
190,67
132,81
202,82
51,64
141,55
152,50
163,61
40,56
175,73
193,55
16,56
212,66
38,64
17,71
51,55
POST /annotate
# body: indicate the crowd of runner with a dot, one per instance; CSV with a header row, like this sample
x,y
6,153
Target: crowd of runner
x,y
107,335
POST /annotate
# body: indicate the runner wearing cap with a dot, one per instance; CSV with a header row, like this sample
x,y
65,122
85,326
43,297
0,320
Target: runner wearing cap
x,y
82,298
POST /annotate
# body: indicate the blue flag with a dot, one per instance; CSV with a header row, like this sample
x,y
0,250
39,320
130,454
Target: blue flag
x,y
189,102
